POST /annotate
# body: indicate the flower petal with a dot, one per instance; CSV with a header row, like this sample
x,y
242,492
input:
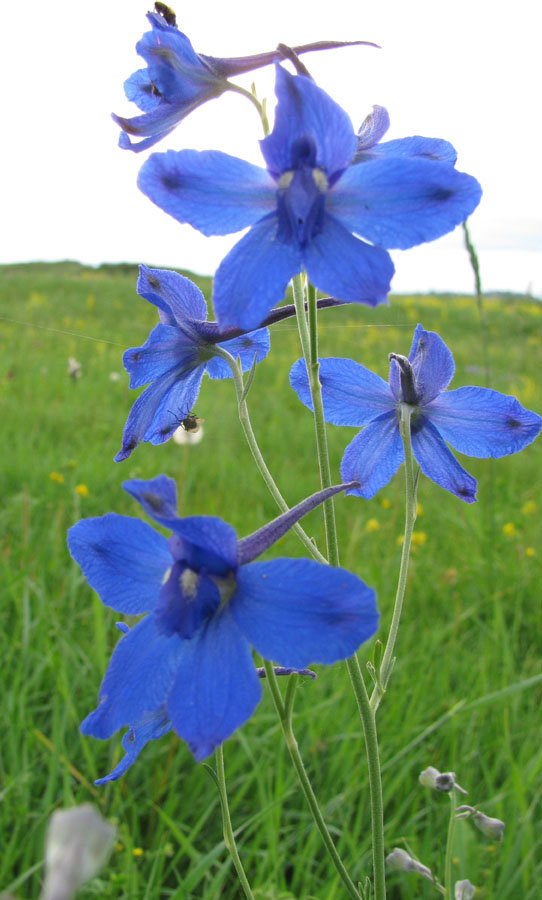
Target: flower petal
x,y
349,269
480,422
175,296
413,148
157,496
244,347
138,679
432,362
401,202
213,192
373,127
374,456
352,394
159,410
216,688
305,110
438,463
150,727
123,559
298,611
254,276
165,349
204,542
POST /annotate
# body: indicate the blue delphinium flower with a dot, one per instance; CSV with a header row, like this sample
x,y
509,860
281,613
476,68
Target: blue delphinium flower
x,y
175,356
307,206
187,664
177,80
475,421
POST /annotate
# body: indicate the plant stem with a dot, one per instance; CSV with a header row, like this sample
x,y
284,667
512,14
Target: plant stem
x,y
256,452
229,839
308,333
410,519
449,868
284,712
260,107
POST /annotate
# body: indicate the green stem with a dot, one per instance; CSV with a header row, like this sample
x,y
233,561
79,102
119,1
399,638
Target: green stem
x,y
257,455
260,107
308,333
284,712
229,838
449,867
410,519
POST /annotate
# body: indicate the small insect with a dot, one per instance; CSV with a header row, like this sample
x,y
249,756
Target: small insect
x,y
167,13
192,423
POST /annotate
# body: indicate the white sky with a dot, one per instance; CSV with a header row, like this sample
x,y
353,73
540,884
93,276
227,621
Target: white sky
x,y
467,71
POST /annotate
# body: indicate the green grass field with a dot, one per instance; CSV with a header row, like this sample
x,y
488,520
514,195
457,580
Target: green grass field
x,y
466,692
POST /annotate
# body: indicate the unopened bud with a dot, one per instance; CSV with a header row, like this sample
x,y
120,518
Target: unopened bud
x,y
402,862
440,781
77,845
464,890
493,828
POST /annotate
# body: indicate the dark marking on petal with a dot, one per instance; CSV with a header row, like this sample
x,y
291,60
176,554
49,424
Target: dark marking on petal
x,y
440,194
513,423
155,502
171,182
153,281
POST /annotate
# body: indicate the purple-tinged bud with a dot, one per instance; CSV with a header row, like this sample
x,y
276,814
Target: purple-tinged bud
x,y
280,670
493,828
464,890
402,862
77,845
440,781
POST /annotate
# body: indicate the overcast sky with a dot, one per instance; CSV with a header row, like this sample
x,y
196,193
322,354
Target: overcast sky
x,y
467,71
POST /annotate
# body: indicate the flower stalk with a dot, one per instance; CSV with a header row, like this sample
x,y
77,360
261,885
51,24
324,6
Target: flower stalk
x,y
229,838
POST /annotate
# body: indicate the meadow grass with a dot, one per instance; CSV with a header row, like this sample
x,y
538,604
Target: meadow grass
x,y
465,694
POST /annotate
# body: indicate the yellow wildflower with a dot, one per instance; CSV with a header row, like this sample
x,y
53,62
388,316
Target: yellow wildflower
x,y
530,551
509,529
419,510
137,851
419,538
372,525
385,503
56,476
82,490
528,508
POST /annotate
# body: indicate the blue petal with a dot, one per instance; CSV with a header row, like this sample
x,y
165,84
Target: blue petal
x,y
159,410
216,689
436,461
176,69
254,276
244,347
346,268
186,601
138,679
480,422
374,456
432,363
305,110
213,192
373,128
138,89
204,542
298,611
123,559
413,148
158,496
401,202
165,349
150,727
175,296
352,394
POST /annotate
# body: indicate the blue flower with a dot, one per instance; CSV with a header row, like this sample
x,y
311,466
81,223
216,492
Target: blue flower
x,y
375,126
305,209
187,664
175,355
177,80
475,421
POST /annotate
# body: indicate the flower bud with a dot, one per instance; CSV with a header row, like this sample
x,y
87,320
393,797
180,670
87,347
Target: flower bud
x,y
77,845
440,781
464,890
402,862
492,828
